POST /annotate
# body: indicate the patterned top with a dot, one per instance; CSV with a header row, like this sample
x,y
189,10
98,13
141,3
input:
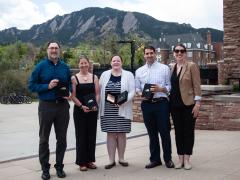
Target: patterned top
x,y
111,121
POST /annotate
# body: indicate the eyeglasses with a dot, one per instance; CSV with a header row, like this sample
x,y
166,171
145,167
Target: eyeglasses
x,y
180,50
53,48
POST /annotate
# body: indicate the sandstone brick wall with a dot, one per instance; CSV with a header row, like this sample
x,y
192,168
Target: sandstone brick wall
x,y
205,119
137,112
214,114
226,115
231,10
223,69
218,114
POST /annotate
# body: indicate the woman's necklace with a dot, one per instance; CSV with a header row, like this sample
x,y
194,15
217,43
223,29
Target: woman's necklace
x,y
85,77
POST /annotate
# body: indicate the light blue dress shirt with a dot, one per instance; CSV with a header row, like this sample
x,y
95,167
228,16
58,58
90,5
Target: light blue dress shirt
x,y
155,73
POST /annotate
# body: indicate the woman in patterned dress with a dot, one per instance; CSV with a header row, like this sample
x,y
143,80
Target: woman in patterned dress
x,y
116,119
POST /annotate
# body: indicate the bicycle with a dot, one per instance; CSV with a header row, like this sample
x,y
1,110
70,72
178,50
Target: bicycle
x,y
13,98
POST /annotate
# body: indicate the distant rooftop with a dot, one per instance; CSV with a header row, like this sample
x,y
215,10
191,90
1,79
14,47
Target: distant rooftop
x,y
190,40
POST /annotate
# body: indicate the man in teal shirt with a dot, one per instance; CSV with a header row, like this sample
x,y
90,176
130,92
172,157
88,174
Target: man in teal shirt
x,y
52,109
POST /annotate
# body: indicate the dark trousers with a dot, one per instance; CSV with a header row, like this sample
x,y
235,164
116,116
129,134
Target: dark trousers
x,y
184,124
57,114
156,119
85,130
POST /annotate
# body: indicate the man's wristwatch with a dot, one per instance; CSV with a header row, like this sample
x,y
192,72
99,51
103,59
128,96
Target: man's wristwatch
x,y
80,106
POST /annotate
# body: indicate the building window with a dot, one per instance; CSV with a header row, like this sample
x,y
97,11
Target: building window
x,y
198,45
189,54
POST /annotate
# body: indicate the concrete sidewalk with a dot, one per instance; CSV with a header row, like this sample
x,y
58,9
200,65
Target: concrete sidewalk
x,y
216,157
19,128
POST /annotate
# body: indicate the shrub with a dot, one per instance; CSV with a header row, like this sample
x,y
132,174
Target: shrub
x,y
14,81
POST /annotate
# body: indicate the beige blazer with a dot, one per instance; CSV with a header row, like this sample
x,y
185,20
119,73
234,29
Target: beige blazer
x,y
189,82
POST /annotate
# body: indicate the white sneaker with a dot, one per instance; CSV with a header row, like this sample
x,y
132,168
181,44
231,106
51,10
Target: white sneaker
x,y
179,165
187,165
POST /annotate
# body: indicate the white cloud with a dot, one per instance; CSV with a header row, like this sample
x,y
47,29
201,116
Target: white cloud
x,y
199,13
52,9
24,13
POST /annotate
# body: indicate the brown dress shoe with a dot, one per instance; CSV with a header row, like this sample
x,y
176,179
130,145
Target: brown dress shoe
x,y
61,173
169,164
123,163
153,165
45,175
110,166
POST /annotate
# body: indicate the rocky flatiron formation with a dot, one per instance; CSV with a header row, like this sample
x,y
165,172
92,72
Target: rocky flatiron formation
x,y
94,23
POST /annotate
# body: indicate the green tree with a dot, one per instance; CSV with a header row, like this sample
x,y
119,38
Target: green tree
x,y
67,55
98,56
125,52
42,53
12,77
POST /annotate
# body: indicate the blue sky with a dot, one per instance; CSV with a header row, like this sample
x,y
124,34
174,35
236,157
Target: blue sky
x,y
199,13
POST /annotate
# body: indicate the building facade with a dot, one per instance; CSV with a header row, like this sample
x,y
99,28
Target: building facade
x,y
200,51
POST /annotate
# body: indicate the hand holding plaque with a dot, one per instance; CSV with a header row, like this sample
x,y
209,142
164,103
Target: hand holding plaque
x,y
110,98
62,90
90,101
122,98
117,99
147,93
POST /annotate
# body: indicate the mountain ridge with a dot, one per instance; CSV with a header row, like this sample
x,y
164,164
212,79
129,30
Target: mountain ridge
x,y
96,22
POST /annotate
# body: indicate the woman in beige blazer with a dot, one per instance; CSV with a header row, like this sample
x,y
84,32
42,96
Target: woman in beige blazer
x,y
185,96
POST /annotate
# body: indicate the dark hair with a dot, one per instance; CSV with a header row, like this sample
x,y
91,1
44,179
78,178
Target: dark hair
x,y
149,47
53,41
118,56
184,47
83,57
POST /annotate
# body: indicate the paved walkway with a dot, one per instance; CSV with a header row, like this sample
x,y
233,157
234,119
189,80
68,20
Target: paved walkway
x,y
216,157
19,128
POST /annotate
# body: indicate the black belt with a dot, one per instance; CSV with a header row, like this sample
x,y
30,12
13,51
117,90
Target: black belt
x,y
56,101
154,100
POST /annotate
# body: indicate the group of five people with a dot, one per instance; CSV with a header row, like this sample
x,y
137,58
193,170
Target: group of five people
x,y
174,90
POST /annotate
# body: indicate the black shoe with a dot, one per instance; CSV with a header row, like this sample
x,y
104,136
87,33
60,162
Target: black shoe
x,y
169,164
61,173
110,166
153,164
123,163
45,175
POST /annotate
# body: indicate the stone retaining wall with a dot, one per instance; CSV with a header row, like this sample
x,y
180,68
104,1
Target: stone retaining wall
x,y
218,112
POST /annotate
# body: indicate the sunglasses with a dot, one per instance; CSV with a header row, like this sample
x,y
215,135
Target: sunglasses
x,y
180,50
